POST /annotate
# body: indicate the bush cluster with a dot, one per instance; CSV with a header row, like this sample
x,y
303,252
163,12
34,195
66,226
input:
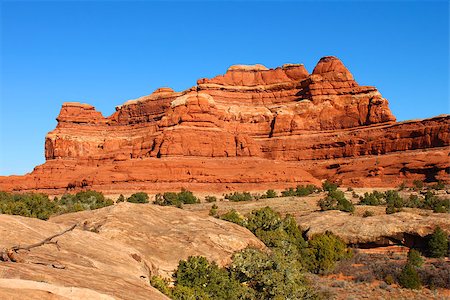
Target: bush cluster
x,y
395,203
40,206
238,196
85,200
285,239
176,199
300,191
140,197
27,205
252,275
335,200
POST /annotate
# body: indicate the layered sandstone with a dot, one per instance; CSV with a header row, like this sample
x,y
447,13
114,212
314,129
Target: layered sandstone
x,y
248,127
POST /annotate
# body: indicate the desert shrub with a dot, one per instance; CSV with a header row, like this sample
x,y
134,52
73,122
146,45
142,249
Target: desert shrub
x,y
393,198
269,194
437,245
368,213
402,186
187,197
418,184
326,250
394,202
413,201
435,203
289,192
207,279
374,198
40,206
176,199
140,197
234,217
161,284
300,191
210,199
213,210
27,205
120,199
335,200
271,276
349,189
409,278
85,200
329,186
237,196
414,258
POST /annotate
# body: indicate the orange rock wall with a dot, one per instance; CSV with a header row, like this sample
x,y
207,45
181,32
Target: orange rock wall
x,y
253,119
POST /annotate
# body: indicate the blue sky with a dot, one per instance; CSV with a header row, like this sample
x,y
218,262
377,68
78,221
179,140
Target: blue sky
x,y
104,53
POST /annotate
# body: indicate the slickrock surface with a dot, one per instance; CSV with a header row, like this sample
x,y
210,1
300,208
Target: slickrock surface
x,y
165,235
113,252
251,125
403,227
86,260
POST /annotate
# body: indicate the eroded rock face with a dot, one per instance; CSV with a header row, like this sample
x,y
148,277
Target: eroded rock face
x,y
281,117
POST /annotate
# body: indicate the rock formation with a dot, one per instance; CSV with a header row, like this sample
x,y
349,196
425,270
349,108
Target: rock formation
x,y
251,128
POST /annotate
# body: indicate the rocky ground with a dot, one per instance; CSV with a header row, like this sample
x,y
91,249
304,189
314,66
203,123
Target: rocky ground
x,y
113,251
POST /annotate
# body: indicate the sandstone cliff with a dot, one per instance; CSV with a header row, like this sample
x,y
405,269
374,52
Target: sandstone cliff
x,y
250,127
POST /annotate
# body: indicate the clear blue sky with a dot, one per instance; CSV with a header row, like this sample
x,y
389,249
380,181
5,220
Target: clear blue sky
x,y
105,53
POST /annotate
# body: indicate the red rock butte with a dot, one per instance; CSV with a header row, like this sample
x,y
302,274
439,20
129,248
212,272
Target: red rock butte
x,y
252,128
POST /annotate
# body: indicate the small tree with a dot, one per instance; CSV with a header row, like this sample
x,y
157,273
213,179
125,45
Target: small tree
x,y
414,258
438,243
409,278
120,199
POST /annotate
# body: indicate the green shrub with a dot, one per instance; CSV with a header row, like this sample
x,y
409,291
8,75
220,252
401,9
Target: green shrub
x,y
299,191
176,199
270,194
27,205
437,245
234,217
85,200
187,197
140,197
210,280
335,200
414,201
40,206
120,199
213,210
161,284
374,198
368,213
409,278
326,250
414,258
418,184
210,199
237,197
329,186
264,218
271,276
392,198
392,210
